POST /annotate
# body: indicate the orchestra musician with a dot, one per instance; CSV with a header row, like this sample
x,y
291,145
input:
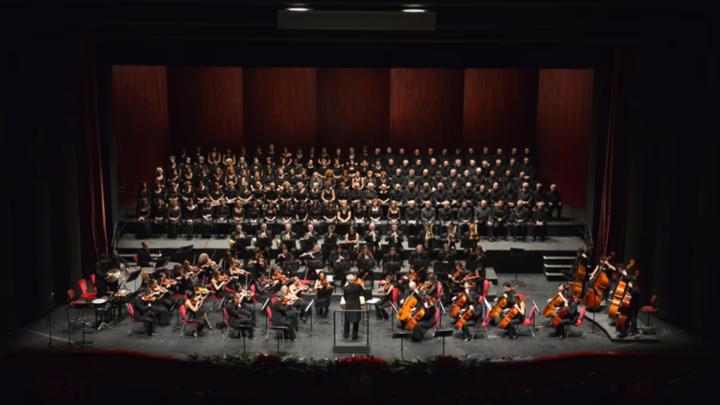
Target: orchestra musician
x,y
194,305
419,259
241,314
143,256
426,322
324,291
313,258
386,292
519,304
144,313
474,304
365,262
570,317
284,315
392,262
340,262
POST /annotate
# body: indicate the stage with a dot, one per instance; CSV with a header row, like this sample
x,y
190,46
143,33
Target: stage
x,y
168,341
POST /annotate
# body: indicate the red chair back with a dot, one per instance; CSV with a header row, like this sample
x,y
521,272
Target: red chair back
x,y
82,284
92,280
437,318
226,317
439,289
486,288
395,294
268,312
253,289
131,311
71,295
529,320
582,316
183,313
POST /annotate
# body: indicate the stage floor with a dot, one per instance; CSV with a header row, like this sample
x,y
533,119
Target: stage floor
x,y
320,345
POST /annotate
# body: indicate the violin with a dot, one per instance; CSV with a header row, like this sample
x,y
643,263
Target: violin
x,y
202,291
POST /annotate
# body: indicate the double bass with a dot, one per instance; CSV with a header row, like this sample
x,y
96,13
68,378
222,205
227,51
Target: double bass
x,y
600,282
620,291
579,276
621,323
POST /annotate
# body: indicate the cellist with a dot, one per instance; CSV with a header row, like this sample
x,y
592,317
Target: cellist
x,y
570,317
473,302
519,304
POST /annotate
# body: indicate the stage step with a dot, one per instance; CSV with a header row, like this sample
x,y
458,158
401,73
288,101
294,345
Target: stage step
x,y
554,276
556,266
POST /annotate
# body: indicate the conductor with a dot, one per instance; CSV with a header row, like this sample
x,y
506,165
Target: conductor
x,y
352,293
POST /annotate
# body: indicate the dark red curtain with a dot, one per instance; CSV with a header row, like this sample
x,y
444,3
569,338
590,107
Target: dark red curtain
x,y
92,191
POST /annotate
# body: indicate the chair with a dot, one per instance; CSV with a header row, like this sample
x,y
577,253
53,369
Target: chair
x,y
92,281
133,319
75,302
187,322
85,291
486,287
649,309
530,320
279,330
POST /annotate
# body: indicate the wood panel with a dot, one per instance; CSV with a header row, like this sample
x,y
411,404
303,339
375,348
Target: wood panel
x,y
139,124
206,106
353,106
280,106
500,107
564,126
426,107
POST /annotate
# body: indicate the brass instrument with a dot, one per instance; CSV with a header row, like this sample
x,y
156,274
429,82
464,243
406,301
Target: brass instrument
x,y
474,235
428,234
452,234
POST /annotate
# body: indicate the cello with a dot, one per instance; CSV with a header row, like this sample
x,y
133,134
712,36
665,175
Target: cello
x,y
419,314
501,303
594,295
464,318
553,304
620,291
514,312
404,312
459,304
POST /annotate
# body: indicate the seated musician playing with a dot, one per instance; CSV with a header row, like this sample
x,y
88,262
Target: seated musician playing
x,y
194,305
313,258
474,304
218,284
144,312
570,318
519,304
426,322
240,312
412,289
284,315
340,262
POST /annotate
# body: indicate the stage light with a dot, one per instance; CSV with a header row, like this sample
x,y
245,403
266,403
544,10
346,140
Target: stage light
x,y
413,10
297,9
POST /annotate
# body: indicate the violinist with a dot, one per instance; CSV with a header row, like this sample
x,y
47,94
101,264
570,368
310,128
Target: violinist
x,y
284,315
144,312
519,305
241,314
194,305
324,291
206,265
431,286
386,292
219,284
162,302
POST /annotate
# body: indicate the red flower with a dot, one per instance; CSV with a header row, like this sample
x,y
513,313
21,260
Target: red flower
x,y
266,360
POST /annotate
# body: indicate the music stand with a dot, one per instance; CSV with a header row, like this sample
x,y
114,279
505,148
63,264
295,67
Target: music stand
x,y
392,315
443,333
263,309
518,253
307,309
402,335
